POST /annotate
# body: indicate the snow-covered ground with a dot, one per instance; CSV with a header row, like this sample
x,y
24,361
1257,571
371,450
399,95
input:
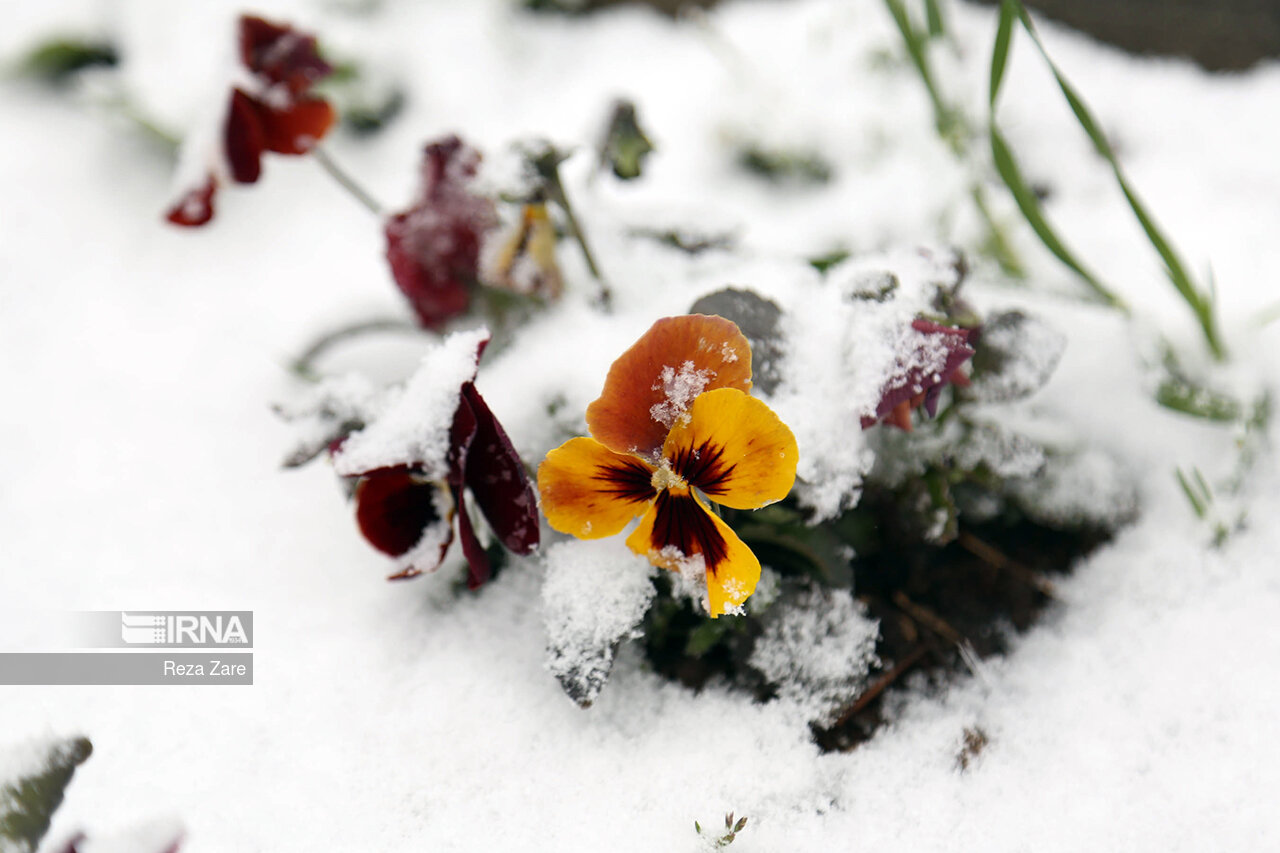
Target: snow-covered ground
x,y
140,463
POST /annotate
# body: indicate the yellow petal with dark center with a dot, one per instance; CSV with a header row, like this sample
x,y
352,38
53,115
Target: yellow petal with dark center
x,y
589,491
650,386
680,534
735,449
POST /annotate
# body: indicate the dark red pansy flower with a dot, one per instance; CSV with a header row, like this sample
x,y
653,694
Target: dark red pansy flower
x,y
281,55
196,206
934,363
434,246
274,114
405,512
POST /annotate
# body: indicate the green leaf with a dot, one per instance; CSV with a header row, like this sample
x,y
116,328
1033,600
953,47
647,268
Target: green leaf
x,y
58,59
823,263
704,637
1196,505
27,804
933,15
1181,395
1000,53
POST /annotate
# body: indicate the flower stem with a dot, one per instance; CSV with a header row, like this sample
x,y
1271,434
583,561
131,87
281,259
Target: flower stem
x,y
345,180
304,364
547,164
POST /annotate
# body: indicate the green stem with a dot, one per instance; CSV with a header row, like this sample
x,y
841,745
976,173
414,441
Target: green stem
x,y
345,181
304,364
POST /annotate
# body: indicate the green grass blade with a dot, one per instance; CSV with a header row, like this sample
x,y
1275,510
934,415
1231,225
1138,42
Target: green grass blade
x,y
933,13
1000,53
1007,167
1196,506
1200,301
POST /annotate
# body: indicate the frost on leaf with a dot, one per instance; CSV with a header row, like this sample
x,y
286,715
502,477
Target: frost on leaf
x,y
816,649
33,778
999,451
1016,355
595,594
759,319
327,412
1085,489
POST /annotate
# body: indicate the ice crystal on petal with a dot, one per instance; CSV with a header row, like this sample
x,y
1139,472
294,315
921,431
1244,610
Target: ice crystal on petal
x,y
679,388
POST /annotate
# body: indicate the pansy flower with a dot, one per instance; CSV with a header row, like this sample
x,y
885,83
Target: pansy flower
x,y
434,246
523,260
413,464
935,361
272,111
674,428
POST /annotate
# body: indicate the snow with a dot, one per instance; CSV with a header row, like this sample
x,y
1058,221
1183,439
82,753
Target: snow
x,y
594,596
679,386
413,429
818,651
141,464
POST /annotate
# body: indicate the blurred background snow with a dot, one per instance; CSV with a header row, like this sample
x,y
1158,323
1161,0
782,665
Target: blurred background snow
x,y
140,461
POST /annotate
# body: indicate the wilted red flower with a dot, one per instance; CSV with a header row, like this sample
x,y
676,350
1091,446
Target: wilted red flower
x,y
277,115
406,510
434,246
935,362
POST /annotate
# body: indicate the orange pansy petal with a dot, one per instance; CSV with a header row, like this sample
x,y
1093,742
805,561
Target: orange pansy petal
x,y
651,385
678,532
297,128
589,491
735,449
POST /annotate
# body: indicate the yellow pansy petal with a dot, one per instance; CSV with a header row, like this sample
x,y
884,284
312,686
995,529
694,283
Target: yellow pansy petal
x,y
651,385
735,449
678,533
589,491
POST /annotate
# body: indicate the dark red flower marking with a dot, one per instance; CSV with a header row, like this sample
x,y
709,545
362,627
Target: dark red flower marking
x,y
682,524
397,507
394,507
935,364
434,246
276,114
628,480
703,466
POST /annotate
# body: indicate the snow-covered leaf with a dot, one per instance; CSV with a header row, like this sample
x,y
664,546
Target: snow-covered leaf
x,y
817,647
1017,353
595,594
33,778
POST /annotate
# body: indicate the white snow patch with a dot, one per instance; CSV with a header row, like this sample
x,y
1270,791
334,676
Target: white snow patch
x,y
595,594
817,650
414,426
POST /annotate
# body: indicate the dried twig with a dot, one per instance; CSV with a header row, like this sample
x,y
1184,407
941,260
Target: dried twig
x,y
924,616
995,557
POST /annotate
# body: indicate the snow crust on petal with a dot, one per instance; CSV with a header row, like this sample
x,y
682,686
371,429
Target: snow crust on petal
x,y
414,427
